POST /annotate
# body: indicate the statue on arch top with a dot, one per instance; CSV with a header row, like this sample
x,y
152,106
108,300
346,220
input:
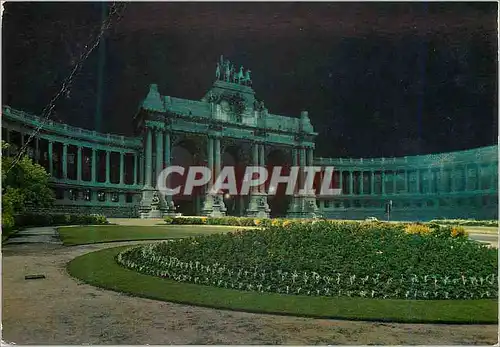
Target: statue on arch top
x,y
240,75
218,71
228,71
247,80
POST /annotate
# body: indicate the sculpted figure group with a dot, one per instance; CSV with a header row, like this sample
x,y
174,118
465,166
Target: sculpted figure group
x,y
226,71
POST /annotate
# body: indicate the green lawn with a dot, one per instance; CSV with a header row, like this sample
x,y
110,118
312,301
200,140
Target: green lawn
x,y
100,269
111,233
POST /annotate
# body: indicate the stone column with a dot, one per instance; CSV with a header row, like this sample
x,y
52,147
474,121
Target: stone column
x,y
141,167
65,161
122,168
351,183
255,161
341,181
493,173
394,181
149,159
302,161
477,186
210,160
79,164
442,186
262,164
94,165
310,159
418,180
167,160
361,183
406,181
217,155
452,178
159,154
431,181
295,162
135,168
50,158
466,178
372,183
108,166
168,155
382,178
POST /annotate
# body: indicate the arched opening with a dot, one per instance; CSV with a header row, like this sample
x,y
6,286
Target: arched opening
x,y
235,204
182,156
279,202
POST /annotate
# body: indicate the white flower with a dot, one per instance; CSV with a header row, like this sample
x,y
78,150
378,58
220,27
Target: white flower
x,y
352,278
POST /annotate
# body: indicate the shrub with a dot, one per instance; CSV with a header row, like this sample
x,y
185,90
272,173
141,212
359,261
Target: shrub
x,y
47,219
458,231
417,229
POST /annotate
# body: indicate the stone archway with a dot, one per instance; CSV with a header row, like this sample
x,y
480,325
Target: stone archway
x,y
280,202
230,201
182,155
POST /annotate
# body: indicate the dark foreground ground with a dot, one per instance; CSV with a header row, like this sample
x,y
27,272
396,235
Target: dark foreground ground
x,y
59,310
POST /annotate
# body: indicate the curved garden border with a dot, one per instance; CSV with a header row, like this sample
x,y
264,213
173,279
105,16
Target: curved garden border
x,y
100,269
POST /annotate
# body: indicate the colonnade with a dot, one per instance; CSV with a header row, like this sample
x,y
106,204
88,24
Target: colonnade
x,y
64,155
452,178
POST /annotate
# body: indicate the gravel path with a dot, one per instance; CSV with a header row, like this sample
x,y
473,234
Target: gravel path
x,y
60,310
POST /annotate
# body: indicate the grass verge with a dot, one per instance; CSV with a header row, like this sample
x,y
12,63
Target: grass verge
x,y
81,235
100,269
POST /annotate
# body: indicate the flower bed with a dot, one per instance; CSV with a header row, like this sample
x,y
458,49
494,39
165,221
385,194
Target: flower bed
x,y
378,260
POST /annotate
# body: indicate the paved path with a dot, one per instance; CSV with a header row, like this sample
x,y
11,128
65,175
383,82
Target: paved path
x,y
47,235
491,239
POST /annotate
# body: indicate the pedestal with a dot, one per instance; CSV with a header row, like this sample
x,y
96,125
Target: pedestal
x,y
153,205
146,201
213,206
258,206
303,206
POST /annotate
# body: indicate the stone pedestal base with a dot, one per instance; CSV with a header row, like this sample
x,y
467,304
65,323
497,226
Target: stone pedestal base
x,y
153,205
213,206
258,206
169,210
153,213
146,201
303,207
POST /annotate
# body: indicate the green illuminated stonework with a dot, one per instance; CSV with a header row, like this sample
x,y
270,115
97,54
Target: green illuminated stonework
x,y
116,175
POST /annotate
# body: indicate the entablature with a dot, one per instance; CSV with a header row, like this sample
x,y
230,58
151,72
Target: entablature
x,y
63,132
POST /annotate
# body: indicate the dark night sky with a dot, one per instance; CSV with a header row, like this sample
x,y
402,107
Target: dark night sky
x,y
378,79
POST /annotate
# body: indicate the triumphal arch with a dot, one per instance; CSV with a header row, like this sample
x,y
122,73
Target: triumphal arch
x,y
228,126
116,175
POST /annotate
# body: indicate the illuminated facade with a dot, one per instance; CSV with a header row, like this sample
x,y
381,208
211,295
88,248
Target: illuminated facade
x,y
115,175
